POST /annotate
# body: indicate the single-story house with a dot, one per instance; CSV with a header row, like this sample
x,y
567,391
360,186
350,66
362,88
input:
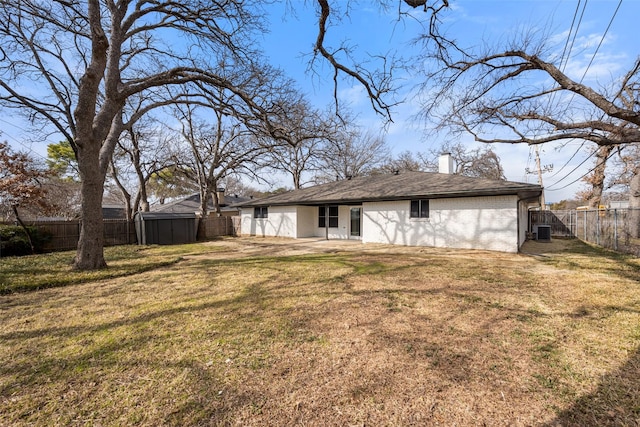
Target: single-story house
x,y
191,205
407,208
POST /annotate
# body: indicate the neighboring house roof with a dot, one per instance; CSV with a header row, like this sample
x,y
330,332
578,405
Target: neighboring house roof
x,y
400,186
191,204
113,212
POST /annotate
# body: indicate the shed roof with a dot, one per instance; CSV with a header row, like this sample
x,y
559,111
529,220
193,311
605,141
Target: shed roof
x,y
388,187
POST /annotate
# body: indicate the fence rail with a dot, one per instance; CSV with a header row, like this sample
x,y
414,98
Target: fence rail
x,y
64,235
617,229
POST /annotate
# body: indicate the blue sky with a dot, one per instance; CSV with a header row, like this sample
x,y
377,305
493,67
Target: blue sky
x,y
472,22
370,29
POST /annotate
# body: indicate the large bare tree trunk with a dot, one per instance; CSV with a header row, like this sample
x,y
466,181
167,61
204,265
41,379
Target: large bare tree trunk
x,y
90,253
598,176
201,232
91,129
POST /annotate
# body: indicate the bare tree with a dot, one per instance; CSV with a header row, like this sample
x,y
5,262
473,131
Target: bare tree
x,y
406,161
224,147
626,176
352,153
309,131
377,73
481,162
143,150
521,94
487,95
118,49
596,178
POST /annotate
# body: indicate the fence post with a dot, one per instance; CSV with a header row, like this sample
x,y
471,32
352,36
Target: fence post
x,y
615,229
598,227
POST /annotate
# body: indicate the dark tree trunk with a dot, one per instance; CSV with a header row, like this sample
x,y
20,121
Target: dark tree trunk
x,y
91,131
90,253
597,178
201,232
25,228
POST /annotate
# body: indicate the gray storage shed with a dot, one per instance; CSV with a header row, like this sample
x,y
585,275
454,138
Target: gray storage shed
x,y
159,228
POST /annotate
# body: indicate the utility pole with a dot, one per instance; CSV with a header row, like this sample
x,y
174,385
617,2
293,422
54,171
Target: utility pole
x,y
539,171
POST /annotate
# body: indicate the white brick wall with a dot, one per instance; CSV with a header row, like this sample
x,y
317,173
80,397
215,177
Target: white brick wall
x,y
470,222
281,222
307,221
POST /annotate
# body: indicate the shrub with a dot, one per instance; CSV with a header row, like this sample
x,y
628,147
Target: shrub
x,y
14,240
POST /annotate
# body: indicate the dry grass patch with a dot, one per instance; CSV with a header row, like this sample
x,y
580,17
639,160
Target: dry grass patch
x,y
361,335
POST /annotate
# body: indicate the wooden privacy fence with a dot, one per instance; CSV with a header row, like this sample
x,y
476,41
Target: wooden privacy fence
x,y
64,235
561,222
222,226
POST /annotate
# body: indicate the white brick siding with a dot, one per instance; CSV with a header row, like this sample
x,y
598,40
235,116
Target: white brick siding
x,y
281,222
470,222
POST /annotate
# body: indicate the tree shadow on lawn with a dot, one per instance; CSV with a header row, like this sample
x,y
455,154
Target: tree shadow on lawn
x,y
615,402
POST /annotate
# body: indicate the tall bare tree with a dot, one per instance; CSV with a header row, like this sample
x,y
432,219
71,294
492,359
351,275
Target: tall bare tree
x,y
351,153
143,150
309,131
520,93
219,145
481,162
487,95
90,56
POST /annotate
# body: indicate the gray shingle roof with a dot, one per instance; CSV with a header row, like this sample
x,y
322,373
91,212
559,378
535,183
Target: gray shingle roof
x,y
191,204
405,185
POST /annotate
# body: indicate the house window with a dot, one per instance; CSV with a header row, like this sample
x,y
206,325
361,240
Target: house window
x,y
332,217
261,212
419,208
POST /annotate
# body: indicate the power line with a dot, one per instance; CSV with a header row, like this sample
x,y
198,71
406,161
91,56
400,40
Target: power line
x,y
601,40
583,175
566,44
550,188
568,161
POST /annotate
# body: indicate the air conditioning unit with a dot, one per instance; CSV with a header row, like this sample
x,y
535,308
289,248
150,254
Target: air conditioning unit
x,y
544,233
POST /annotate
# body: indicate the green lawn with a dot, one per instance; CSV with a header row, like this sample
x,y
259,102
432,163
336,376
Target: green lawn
x,y
248,332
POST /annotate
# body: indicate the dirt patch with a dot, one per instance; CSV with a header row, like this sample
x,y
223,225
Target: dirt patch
x,y
553,246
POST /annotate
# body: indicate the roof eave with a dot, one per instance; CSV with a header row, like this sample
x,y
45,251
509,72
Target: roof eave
x,y
522,193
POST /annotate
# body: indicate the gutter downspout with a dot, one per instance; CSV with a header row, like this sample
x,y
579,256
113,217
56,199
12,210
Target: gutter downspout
x,y
518,218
